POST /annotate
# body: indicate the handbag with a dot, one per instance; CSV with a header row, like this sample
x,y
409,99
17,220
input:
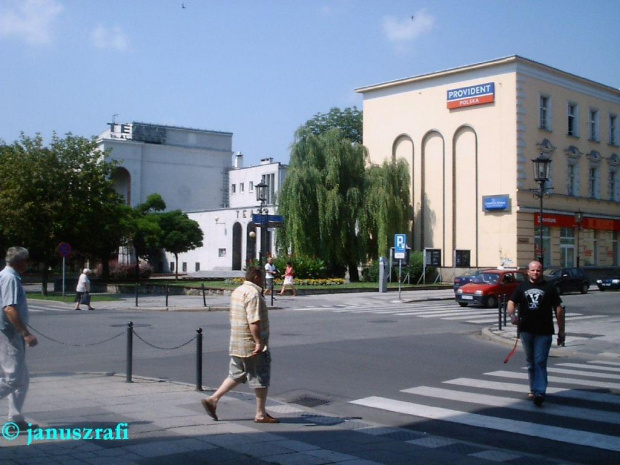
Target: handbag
x,y
85,299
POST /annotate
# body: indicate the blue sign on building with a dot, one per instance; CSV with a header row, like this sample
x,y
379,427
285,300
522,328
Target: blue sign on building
x,y
496,202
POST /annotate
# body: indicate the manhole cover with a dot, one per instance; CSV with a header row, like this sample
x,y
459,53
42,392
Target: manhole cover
x,y
309,401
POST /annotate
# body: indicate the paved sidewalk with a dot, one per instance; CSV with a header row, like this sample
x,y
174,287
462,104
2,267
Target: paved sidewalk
x,y
153,422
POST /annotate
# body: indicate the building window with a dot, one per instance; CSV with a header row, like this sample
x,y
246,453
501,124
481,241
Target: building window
x,y
251,186
612,185
545,112
184,267
613,130
197,268
221,253
233,188
172,267
571,180
593,125
241,187
573,115
594,175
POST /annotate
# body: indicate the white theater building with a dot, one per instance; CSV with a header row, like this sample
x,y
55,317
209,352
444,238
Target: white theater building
x,y
194,170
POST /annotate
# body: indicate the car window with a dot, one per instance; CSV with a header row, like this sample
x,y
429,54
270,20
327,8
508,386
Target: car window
x,y
520,278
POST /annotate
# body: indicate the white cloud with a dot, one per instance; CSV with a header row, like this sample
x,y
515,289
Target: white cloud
x,y
110,38
404,30
30,20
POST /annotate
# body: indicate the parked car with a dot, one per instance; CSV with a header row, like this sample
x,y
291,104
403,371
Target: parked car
x,y
464,279
609,283
568,279
486,287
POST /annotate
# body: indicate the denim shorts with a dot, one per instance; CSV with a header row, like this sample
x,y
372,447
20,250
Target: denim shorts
x,y
256,370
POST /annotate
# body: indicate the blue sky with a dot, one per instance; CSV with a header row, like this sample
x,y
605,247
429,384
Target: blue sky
x,y
260,69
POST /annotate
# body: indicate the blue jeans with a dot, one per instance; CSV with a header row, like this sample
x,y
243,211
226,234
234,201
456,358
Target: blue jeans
x,y
536,348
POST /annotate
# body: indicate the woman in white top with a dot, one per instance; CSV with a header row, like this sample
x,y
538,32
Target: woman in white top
x,y
83,288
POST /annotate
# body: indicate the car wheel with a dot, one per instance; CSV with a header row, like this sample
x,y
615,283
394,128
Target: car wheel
x,y
584,288
491,301
463,304
558,289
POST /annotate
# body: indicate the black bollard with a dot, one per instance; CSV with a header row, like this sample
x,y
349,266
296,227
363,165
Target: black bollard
x,y
129,352
204,297
499,312
199,359
137,294
166,295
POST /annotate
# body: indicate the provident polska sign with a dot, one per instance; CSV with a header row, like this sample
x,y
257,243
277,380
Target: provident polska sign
x,y
478,94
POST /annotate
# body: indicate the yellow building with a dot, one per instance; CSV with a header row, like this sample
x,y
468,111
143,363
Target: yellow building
x,y
470,134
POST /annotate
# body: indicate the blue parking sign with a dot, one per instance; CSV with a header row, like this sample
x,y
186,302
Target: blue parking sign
x,y
400,246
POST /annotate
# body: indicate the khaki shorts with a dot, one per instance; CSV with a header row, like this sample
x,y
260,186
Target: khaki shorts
x,y
256,370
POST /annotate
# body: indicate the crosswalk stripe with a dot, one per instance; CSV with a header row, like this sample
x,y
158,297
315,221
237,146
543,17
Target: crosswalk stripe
x,y
582,373
592,367
559,392
587,317
555,379
605,362
512,403
555,433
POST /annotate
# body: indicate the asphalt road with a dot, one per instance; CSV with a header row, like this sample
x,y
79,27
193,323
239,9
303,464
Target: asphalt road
x,y
340,358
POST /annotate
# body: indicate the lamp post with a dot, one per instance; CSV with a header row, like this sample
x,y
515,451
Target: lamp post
x,y
541,176
261,196
578,220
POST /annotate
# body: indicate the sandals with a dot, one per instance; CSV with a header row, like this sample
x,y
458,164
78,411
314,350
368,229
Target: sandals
x,y
266,419
209,408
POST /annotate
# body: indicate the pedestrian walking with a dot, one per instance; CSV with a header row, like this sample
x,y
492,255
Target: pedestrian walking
x,y
270,273
289,279
250,359
82,290
537,300
14,335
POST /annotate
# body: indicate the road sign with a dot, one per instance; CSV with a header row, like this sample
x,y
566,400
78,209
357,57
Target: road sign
x,y
271,221
400,246
64,249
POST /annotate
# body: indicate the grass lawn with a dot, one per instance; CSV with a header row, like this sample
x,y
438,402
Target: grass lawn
x,y
70,298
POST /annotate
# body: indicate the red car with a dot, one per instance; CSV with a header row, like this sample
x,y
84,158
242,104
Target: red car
x,y
486,287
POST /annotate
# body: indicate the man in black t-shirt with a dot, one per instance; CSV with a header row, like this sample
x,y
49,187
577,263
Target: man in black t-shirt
x,y
537,301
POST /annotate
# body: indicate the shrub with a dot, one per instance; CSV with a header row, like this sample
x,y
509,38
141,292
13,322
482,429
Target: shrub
x,y
415,268
126,272
305,268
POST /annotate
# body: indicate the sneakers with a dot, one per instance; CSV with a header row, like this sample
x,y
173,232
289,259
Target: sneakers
x,y
538,400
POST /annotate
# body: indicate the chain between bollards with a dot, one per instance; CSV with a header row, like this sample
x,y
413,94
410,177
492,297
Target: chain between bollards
x,y
199,359
129,352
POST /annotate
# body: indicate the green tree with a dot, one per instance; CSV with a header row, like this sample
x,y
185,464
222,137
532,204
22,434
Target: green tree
x,y
180,234
59,193
144,232
387,206
349,121
321,197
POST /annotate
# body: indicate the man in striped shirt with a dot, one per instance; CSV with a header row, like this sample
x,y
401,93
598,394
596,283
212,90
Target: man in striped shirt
x,y
250,359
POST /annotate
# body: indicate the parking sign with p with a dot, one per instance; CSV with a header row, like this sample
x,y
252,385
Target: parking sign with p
x,y
400,246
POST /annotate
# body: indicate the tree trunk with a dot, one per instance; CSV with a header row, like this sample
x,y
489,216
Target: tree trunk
x,y
354,275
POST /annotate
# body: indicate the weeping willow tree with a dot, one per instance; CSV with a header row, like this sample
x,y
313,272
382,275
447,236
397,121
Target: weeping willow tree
x,y
387,207
321,199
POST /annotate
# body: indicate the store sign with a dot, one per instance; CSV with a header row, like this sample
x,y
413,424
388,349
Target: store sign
x,y
479,94
566,221
496,202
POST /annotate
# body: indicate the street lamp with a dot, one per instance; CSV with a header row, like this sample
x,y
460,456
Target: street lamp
x,y
261,196
541,176
578,220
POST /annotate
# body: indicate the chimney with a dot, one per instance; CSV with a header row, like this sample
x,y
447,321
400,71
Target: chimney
x,y
266,161
238,160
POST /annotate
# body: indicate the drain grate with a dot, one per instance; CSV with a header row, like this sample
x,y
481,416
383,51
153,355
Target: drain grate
x,y
309,401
